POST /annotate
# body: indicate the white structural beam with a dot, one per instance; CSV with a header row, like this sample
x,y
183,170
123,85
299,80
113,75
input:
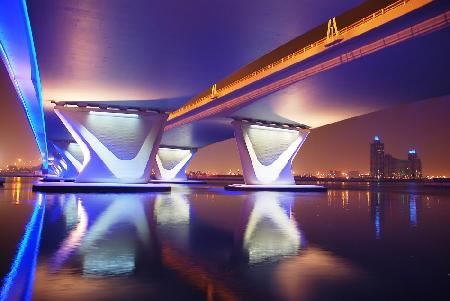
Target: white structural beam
x,y
170,163
118,145
267,151
72,156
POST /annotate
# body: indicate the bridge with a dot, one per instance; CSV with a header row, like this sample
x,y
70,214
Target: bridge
x,y
117,104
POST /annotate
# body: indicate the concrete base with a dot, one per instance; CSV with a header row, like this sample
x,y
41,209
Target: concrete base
x,y
178,182
63,187
56,179
293,188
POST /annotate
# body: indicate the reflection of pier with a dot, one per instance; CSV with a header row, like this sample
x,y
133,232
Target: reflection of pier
x,y
171,235
106,257
73,240
268,231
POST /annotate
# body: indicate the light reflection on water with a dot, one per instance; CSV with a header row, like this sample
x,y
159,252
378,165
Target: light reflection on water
x,y
203,243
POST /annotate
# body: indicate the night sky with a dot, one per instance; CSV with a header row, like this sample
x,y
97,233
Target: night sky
x,y
343,146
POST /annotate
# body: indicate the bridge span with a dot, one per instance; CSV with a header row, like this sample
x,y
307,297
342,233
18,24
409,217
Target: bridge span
x,y
369,57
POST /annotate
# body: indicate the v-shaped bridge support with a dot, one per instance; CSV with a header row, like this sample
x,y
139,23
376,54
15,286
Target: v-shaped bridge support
x,y
118,145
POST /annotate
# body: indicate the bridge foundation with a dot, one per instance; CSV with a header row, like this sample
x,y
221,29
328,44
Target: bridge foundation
x,y
266,152
118,146
170,164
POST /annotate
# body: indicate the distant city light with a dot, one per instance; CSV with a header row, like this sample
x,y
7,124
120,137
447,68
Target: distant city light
x,y
412,151
376,138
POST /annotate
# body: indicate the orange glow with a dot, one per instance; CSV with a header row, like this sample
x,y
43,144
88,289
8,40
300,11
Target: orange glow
x,y
426,26
195,274
380,17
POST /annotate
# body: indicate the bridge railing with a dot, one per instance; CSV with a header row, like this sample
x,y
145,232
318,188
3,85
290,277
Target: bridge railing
x,y
282,63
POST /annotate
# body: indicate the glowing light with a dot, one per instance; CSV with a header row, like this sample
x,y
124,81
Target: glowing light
x,y
266,152
120,211
412,151
72,242
21,269
412,211
377,223
108,166
280,237
78,139
171,163
19,60
113,114
376,138
367,23
172,211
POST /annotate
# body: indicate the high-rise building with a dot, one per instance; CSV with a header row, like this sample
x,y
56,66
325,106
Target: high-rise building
x,y
415,164
386,166
377,158
395,168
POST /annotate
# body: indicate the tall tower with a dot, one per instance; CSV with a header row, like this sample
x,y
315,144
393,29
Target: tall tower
x,y
415,164
377,158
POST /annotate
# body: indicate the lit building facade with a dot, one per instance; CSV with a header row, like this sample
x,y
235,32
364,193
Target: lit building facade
x,y
387,166
377,158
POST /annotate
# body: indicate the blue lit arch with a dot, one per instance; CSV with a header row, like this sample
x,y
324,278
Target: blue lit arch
x,y
19,56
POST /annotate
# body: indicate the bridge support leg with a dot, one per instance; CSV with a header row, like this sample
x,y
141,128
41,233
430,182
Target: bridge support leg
x,y
170,163
68,156
266,152
118,145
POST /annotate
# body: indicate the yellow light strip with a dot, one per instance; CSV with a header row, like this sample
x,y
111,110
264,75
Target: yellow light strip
x,y
374,20
424,27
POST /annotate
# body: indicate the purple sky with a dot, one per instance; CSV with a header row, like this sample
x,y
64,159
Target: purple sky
x,y
343,146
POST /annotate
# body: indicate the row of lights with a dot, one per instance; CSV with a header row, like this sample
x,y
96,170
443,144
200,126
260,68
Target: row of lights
x,y
276,124
103,107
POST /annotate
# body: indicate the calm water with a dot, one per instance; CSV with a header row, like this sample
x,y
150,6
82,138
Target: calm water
x,y
202,243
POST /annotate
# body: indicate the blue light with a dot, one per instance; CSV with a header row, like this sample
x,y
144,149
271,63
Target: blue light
x,y
376,138
377,223
42,144
412,212
19,56
412,151
18,283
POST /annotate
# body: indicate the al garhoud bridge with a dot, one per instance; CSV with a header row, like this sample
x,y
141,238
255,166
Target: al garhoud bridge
x,y
112,96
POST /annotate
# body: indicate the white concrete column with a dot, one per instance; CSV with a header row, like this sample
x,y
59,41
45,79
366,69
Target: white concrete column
x,y
118,145
70,153
170,163
267,151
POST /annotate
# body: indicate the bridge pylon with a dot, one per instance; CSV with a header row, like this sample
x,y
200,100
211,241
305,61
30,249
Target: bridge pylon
x,y
170,163
118,145
266,151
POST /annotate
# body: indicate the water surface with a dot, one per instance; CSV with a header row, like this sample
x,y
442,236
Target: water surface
x,y
363,242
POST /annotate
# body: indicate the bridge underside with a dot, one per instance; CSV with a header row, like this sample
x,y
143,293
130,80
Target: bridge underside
x,y
410,65
407,72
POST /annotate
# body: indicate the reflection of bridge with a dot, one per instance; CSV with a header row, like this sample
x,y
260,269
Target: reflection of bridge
x,y
184,234
366,59
107,240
